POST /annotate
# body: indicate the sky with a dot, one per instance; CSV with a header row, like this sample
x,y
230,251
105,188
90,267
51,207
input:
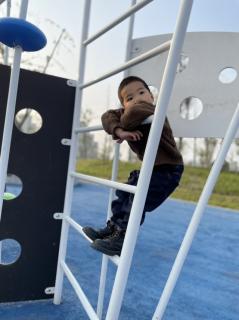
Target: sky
x,y
107,52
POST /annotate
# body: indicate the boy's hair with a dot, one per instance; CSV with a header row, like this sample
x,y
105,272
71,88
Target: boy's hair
x,y
127,81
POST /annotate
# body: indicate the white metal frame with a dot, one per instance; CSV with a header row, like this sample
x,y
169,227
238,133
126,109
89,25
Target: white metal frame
x,y
124,261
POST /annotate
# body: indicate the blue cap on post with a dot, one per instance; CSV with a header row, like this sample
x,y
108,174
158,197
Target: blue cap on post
x,y
18,32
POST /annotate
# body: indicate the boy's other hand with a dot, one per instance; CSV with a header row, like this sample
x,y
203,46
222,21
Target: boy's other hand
x,y
128,135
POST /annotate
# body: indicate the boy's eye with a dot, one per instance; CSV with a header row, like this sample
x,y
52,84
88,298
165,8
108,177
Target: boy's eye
x,y
129,99
141,92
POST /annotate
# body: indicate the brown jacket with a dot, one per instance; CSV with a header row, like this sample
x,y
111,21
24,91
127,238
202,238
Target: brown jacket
x,y
130,119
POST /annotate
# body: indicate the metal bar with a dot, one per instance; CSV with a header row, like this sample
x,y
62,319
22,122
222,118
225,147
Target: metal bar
x,y
105,182
78,227
6,49
89,129
23,9
80,293
145,56
114,176
104,265
100,127
10,111
72,159
192,228
129,12
148,162
129,38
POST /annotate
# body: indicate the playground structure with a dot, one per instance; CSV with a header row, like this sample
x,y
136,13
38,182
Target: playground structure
x,y
174,46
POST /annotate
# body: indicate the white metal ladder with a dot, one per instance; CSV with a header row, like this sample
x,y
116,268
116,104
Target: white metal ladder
x,y
124,262
140,191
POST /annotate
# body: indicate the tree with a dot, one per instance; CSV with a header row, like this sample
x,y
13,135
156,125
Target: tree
x,y
206,154
105,153
60,45
237,145
87,147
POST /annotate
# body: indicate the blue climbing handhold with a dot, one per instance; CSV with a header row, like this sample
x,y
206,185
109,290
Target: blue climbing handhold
x,y
18,32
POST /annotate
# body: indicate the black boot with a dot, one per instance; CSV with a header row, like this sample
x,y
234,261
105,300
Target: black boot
x,y
94,234
111,245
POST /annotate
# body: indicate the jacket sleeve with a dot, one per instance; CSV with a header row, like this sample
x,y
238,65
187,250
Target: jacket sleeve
x,y
111,120
135,115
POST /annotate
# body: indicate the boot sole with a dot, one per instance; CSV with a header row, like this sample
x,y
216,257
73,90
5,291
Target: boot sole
x,y
108,252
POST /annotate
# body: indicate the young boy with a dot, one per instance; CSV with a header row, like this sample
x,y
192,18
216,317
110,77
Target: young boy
x,y
125,124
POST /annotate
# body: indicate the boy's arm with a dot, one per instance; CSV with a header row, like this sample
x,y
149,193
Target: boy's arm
x,y
110,121
135,115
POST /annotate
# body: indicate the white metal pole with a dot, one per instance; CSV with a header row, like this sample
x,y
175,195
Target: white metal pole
x,y
10,111
149,158
6,51
23,9
104,265
9,120
192,228
9,117
72,159
114,176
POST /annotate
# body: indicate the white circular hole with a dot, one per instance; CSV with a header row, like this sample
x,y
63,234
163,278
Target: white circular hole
x,y
183,63
13,187
10,251
191,108
228,75
28,121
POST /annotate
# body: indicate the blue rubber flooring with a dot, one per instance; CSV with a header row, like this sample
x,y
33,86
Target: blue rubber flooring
x,y
208,287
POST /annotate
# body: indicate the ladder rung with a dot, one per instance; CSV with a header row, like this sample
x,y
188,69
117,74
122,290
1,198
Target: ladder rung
x,y
80,293
105,182
114,23
88,129
133,62
100,127
78,227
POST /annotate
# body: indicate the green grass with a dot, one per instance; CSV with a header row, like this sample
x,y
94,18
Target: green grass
x,y
226,191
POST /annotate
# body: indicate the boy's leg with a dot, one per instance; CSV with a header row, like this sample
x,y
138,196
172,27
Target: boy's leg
x,y
119,208
163,182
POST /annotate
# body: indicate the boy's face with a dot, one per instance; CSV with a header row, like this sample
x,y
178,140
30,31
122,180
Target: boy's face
x,y
134,93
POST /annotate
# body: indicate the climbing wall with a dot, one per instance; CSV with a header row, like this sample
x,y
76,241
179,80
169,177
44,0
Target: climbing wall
x,y
40,161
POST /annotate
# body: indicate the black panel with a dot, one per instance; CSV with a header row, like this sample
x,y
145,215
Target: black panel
x,y
41,162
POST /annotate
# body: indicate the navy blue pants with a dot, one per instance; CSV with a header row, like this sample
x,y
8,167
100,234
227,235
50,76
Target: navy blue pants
x,y
164,180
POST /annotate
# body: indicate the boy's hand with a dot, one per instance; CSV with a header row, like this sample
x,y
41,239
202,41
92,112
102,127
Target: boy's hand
x,y
128,135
